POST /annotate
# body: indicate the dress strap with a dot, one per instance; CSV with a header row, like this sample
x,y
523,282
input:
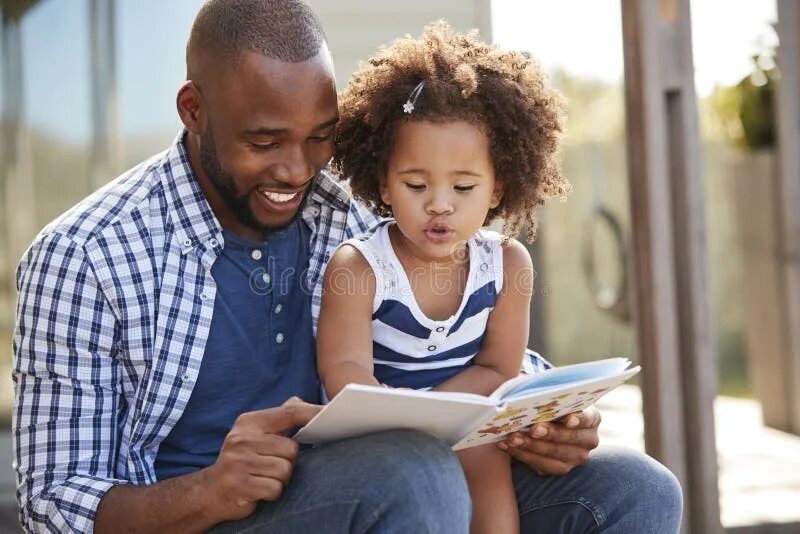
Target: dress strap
x,y
370,245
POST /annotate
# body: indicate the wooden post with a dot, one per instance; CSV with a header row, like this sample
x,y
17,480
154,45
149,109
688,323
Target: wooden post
x,y
15,166
755,179
537,338
671,300
483,19
788,119
106,160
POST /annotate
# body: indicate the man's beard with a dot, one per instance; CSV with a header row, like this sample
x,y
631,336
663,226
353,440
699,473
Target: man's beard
x,y
224,185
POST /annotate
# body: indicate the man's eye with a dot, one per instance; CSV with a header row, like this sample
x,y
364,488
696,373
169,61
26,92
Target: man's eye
x,y
464,188
263,146
415,187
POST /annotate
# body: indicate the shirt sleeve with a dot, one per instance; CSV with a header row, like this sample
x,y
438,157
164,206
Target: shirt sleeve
x,y
66,389
533,363
360,219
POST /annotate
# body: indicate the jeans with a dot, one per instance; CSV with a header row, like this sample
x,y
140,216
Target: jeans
x,y
616,491
399,481
406,482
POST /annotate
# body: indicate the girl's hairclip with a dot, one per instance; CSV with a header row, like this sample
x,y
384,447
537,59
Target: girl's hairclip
x,y
408,107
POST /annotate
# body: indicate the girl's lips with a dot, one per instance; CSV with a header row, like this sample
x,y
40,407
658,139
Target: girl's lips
x,y
441,236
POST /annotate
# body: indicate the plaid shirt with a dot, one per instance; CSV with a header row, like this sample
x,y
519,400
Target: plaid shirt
x,y
115,303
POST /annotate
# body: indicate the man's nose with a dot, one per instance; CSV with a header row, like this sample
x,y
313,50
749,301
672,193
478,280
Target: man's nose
x,y
296,168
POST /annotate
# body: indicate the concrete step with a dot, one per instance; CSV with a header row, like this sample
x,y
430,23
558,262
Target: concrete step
x,y
9,522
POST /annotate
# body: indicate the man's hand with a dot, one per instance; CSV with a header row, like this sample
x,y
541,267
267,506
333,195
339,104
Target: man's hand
x,y
556,448
256,461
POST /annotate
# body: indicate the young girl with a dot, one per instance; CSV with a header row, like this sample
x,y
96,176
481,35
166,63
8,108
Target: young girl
x,y
443,134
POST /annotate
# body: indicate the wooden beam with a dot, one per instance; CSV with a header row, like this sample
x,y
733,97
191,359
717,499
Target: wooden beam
x,y
788,118
671,302
758,207
483,19
537,337
106,150
13,10
16,176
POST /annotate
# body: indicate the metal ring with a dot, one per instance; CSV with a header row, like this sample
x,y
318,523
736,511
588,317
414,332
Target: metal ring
x,y
614,299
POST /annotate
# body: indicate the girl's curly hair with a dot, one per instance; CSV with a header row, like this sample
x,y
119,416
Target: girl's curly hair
x,y
503,92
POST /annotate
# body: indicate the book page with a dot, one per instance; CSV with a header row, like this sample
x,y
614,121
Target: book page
x,y
540,406
557,376
360,410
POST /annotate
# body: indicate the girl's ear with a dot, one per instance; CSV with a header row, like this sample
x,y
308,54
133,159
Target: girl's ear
x,y
383,189
497,194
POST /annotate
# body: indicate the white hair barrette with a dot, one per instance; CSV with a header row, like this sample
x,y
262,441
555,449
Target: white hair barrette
x,y
408,107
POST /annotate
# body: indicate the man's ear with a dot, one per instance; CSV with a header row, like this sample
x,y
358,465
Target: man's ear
x,y
497,194
190,108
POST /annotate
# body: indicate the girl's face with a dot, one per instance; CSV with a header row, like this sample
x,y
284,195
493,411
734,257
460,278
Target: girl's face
x,y
440,185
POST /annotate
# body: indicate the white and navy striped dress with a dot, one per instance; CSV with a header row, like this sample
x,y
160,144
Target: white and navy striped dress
x,y
410,349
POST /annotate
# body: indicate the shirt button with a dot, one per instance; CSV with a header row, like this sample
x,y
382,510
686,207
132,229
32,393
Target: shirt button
x,y
212,243
432,348
440,329
279,338
256,254
187,242
266,278
278,308
186,377
484,267
205,296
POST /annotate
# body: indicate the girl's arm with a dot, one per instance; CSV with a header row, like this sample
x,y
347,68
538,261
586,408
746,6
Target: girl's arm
x,y
503,346
344,331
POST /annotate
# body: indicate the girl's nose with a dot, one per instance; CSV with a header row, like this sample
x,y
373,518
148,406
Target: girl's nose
x,y
439,205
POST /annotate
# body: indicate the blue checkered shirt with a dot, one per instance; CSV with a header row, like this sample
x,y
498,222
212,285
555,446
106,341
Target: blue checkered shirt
x,y
115,302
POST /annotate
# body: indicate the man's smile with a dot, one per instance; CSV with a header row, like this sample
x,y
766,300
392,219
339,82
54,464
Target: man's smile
x,y
280,201
280,197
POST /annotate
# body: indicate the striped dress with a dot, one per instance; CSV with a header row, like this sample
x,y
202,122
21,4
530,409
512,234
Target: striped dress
x,y
410,349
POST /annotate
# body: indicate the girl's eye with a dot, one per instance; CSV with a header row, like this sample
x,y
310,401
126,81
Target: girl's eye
x,y
415,187
464,188
320,138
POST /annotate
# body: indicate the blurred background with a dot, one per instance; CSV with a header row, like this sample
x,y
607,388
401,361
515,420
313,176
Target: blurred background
x,y
88,90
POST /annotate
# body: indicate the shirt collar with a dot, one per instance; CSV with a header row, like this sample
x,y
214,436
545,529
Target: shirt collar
x,y
326,190
192,218
194,221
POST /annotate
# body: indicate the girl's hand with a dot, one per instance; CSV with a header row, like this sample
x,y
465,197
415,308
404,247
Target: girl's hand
x,y
556,448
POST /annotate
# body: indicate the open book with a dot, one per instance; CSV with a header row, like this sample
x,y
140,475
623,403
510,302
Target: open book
x,y
465,420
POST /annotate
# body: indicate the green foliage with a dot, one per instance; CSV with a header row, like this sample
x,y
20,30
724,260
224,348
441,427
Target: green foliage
x,y
746,110
756,110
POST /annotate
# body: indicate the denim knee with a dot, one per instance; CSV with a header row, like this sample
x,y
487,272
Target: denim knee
x,y
651,494
660,485
422,486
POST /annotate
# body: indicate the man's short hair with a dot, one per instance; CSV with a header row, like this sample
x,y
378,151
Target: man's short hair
x,y
281,29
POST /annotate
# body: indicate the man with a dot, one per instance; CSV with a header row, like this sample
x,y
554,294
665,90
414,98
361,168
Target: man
x,y
164,334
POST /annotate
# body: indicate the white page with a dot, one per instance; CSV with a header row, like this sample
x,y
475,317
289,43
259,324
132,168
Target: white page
x,y
567,374
360,410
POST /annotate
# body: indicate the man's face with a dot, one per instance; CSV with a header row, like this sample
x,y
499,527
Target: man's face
x,y
269,133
